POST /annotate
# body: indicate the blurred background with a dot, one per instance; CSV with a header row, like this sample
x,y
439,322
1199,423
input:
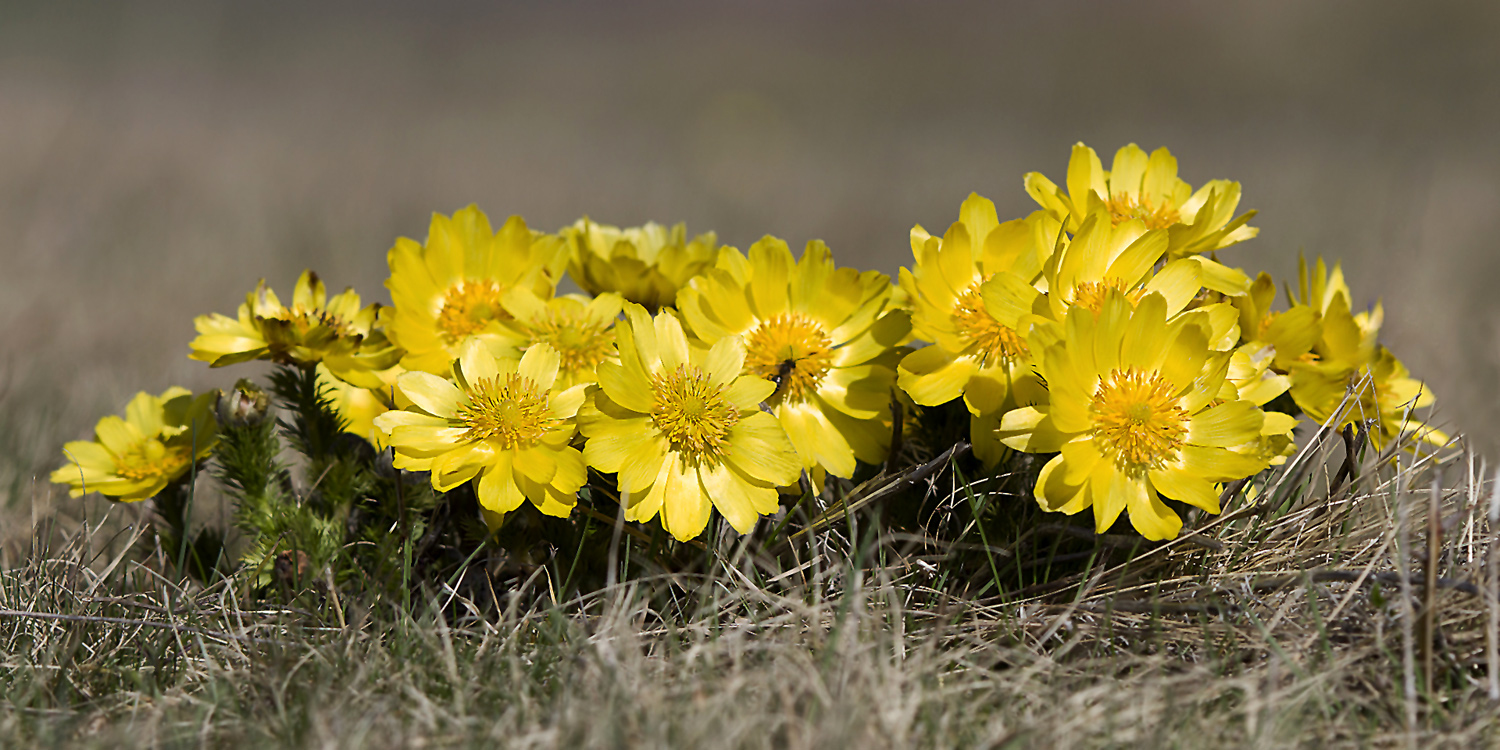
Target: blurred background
x,y
156,159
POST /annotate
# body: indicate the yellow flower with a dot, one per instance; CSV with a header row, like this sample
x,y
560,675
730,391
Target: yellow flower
x,y
358,406
645,265
825,335
579,328
683,430
1146,189
337,332
1136,410
972,354
504,422
1290,334
451,288
137,457
1348,368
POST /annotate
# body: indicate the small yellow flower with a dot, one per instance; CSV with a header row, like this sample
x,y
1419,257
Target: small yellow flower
x,y
1290,334
579,328
336,332
1136,410
137,457
683,430
453,287
1146,189
645,265
973,354
504,422
826,335
1348,367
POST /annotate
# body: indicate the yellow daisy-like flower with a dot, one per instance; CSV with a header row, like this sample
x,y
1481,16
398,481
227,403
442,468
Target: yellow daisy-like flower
x,y
1347,366
1146,189
579,328
336,332
502,421
1290,334
682,428
645,265
453,287
137,457
1136,411
973,354
825,335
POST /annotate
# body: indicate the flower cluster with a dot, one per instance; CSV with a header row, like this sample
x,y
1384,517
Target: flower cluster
x,y
1101,330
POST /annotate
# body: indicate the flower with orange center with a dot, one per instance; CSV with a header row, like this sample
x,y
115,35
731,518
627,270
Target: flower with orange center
x,y
974,354
1137,409
336,332
134,458
453,287
827,337
682,429
645,265
579,328
1146,189
507,424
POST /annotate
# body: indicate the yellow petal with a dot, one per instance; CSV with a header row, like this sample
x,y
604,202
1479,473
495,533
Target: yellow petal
x,y
539,365
1056,495
760,448
431,393
1183,487
1149,515
933,377
1226,425
497,487
685,507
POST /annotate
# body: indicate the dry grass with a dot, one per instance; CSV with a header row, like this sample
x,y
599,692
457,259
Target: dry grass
x,y
1308,618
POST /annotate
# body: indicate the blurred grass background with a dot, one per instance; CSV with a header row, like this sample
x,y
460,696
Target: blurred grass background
x,y
156,159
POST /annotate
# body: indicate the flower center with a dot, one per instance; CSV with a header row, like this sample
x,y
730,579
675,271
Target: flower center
x,y
1091,294
1137,422
509,409
581,343
988,342
791,351
693,414
152,459
1126,207
468,306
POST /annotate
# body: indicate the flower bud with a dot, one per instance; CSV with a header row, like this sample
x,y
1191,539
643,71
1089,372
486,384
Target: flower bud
x,y
243,406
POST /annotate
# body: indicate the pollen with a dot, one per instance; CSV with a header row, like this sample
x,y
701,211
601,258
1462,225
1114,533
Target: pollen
x,y
988,341
508,409
1130,206
792,351
693,414
152,459
581,342
468,306
1091,294
1137,422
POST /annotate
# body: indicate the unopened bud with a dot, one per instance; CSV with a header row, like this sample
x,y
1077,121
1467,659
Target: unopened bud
x,y
245,405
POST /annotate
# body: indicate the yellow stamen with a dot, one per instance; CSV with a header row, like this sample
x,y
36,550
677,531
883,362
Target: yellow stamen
x,y
1130,206
1137,422
580,341
1091,294
509,409
150,460
792,351
693,414
468,306
988,341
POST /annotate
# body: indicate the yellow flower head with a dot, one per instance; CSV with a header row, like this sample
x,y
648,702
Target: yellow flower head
x,y
683,429
973,353
453,287
579,328
137,457
645,265
1349,377
1290,334
1137,409
1146,189
825,335
336,332
502,421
